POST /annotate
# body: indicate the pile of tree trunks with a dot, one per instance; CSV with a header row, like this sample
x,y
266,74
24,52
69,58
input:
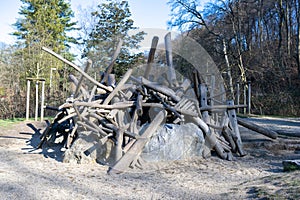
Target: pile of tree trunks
x,y
129,112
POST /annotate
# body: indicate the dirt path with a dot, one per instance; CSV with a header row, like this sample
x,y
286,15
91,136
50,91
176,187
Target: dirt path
x,y
29,174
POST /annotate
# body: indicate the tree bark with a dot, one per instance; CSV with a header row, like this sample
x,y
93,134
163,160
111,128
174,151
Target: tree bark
x,y
228,69
297,3
267,132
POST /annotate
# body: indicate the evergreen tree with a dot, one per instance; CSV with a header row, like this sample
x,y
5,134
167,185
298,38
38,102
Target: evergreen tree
x,y
112,23
44,23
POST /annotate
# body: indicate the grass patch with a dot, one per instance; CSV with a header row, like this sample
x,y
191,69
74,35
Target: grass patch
x,y
10,122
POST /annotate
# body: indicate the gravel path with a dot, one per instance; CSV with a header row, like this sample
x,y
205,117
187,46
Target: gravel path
x,y
26,173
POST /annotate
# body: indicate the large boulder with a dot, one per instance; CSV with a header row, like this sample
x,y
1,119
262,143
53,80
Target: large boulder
x,y
170,142
174,142
86,149
291,165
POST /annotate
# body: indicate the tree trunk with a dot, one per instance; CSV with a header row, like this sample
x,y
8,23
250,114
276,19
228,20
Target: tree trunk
x,y
228,69
237,33
280,36
288,27
298,36
260,23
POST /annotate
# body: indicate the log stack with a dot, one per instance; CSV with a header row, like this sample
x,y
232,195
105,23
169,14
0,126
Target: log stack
x,y
126,114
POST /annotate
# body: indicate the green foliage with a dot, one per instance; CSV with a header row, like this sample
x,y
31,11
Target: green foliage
x,y
112,22
43,23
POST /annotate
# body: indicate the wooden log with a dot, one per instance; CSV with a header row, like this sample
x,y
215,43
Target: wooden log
x,y
119,138
96,128
75,81
88,65
108,127
87,127
288,133
164,90
136,149
92,94
128,146
138,105
235,129
182,103
224,145
118,87
259,129
188,105
178,110
168,107
226,132
196,84
212,97
120,105
113,60
70,115
43,137
210,138
77,112
151,57
78,69
183,87
221,107
71,136
203,102
171,75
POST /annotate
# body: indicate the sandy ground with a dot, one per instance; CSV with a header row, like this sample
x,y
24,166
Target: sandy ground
x,y
26,173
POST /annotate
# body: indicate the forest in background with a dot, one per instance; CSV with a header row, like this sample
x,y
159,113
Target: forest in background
x,y
249,40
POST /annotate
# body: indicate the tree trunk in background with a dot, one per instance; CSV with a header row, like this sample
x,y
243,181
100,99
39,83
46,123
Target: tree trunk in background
x,y
288,27
237,33
280,25
260,24
228,70
297,8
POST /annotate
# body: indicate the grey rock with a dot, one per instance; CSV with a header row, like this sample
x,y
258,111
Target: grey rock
x,y
291,165
174,142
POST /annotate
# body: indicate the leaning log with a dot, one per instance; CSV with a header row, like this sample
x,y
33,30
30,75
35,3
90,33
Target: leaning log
x,y
77,68
88,65
113,60
151,57
171,75
164,90
266,132
136,149
235,130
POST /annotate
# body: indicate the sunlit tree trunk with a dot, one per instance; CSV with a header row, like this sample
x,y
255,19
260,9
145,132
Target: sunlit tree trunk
x,y
228,69
237,34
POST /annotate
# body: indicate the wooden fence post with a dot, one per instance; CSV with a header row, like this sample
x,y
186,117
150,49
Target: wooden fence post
x,y
245,97
249,97
238,95
37,80
42,101
36,100
27,100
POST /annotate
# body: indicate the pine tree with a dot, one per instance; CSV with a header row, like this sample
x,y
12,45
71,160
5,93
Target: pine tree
x,y
112,22
44,23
